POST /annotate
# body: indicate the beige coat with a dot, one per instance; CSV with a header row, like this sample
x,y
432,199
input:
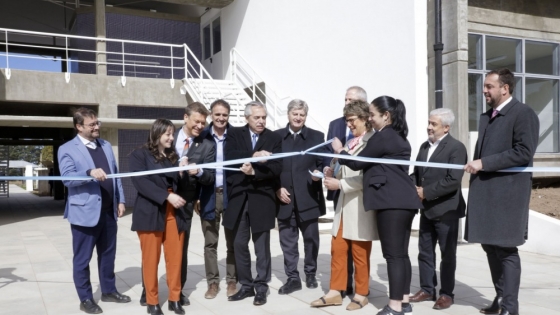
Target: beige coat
x,y
358,224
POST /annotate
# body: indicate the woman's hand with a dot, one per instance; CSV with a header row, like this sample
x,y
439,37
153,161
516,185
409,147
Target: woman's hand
x,y
332,183
337,145
175,200
328,171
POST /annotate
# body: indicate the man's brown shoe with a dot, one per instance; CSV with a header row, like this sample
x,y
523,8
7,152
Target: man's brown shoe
x,y
231,288
213,289
422,296
443,302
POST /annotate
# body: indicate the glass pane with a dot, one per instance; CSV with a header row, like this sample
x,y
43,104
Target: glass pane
x,y
518,89
476,106
541,58
216,36
31,62
542,96
206,41
503,53
475,51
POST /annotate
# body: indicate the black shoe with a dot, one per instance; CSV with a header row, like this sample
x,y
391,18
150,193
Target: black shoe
x,y
311,281
143,298
349,291
290,286
241,294
389,311
494,308
260,298
89,306
184,300
176,307
407,308
115,297
154,310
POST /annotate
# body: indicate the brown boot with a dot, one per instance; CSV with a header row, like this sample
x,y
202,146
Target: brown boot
x,y
213,289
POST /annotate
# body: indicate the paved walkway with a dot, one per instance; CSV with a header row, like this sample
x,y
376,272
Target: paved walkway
x,y
36,272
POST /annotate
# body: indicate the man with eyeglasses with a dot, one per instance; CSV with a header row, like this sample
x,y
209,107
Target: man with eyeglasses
x,y
92,208
338,128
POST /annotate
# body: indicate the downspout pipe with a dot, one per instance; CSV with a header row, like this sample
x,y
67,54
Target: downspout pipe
x,y
438,49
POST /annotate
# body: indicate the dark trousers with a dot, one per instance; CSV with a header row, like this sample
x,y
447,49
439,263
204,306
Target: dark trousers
x,y
211,232
444,232
394,234
505,268
289,235
103,237
261,241
185,258
350,263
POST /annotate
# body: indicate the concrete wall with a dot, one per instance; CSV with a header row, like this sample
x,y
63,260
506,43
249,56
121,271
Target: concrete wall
x,y
314,50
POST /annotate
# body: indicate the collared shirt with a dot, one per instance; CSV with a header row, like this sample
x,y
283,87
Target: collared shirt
x,y
252,133
293,132
499,108
180,146
219,156
433,146
87,143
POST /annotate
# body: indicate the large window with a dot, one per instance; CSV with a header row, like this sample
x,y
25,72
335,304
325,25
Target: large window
x,y
537,78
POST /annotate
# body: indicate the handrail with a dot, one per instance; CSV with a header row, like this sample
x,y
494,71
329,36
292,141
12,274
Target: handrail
x,y
256,78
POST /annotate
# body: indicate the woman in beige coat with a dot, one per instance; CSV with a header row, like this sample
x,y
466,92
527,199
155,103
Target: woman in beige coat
x,y
352,225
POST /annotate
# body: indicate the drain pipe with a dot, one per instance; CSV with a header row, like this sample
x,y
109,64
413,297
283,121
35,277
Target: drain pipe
x,y
438,49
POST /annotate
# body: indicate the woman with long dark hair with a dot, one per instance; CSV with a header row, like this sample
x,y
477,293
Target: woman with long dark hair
x,y
390,192
158,217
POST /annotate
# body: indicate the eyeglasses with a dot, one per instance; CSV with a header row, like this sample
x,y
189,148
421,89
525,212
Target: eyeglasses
x,y
93,124
351,120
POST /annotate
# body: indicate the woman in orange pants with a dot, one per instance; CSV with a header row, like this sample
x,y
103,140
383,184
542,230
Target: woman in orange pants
x,y
353,227
158,217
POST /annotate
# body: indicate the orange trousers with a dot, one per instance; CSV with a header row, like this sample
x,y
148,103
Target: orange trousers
x,y
361,251
150,243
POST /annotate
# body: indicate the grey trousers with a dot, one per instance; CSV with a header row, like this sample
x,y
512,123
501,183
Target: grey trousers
x,y
211,232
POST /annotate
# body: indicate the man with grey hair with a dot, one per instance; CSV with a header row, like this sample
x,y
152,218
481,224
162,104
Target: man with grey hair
x,y
252,205
440,192
301,198
338,128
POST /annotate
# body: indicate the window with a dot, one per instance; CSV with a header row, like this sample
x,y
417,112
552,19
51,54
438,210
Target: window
x,y
216,36
211,39
206,42
537,80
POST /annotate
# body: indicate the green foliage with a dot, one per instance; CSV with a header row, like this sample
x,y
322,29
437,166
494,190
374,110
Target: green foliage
x,y
47,153
29,153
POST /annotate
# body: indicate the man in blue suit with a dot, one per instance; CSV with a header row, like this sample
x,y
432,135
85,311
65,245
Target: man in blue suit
x,y
338,128
92,208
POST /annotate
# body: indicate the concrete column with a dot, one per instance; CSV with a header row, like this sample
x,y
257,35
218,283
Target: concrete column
x,y
100,32
107,110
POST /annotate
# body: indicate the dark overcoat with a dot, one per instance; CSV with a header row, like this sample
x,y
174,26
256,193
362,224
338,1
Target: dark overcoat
x,y
442,186
498,203
305,193
257,189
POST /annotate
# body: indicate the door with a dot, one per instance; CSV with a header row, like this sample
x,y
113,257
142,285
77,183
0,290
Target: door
x,y
212,48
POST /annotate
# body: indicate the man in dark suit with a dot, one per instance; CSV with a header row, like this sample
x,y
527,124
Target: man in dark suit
x,y
92,208
440,192
193,149
252,204
212,204
301,198
498,207
338,129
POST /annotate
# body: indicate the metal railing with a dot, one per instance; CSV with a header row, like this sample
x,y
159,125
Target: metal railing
x,y
243,74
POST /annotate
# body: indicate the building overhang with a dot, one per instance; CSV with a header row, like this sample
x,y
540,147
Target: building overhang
x,y
66,122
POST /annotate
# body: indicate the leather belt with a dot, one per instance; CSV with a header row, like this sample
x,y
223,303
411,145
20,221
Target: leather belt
x,y
219,190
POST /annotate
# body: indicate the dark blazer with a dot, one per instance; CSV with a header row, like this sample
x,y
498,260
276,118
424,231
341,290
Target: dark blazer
x,y
151,199
337,128
201,151
306,193
386,186
442,187
498,207
258,189
208,192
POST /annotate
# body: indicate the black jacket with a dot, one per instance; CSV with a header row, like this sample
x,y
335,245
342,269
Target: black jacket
x,y
151,199
442,187
305,193
386,186
258,189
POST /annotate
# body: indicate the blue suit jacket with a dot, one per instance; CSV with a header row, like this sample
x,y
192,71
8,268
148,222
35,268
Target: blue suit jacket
x,y
83,206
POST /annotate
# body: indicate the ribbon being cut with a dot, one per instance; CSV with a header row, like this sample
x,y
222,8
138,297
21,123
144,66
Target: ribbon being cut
x,y
223,165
